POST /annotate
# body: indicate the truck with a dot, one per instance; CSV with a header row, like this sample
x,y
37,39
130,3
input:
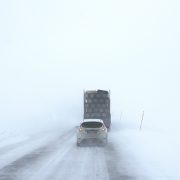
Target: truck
x,y
97,106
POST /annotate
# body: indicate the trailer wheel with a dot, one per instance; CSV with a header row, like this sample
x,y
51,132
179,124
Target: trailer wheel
x,y
78,144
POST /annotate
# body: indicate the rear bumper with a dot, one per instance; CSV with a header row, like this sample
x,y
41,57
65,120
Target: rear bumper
x,y
99,137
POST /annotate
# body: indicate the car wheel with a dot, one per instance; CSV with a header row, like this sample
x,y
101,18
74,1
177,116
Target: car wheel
x,y
105,142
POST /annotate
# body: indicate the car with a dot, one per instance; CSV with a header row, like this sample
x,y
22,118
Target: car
x,y
93,130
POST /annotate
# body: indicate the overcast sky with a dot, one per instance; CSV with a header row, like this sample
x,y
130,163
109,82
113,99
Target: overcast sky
x,y
51,50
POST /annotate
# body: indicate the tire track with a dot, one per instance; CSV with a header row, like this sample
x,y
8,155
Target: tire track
x,y
16,168
116,169
50,168
15,145
81,163
61,159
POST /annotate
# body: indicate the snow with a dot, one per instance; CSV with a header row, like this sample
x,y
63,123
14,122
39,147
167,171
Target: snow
x,y
130,154
151,155
51,50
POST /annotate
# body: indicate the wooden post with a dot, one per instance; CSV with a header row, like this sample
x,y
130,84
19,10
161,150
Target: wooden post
x,y
141,121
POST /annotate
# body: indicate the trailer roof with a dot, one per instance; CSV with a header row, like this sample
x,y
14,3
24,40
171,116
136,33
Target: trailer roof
x,y
97,91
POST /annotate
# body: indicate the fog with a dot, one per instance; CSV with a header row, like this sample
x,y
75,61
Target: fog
x,y
50,51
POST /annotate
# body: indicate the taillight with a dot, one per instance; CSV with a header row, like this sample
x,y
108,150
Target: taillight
x,y
81,129
103,128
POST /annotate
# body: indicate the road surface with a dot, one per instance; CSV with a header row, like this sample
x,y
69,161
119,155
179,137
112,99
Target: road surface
x,y
55,156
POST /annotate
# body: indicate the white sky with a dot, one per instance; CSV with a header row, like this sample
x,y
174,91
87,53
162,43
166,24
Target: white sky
x,y
51,50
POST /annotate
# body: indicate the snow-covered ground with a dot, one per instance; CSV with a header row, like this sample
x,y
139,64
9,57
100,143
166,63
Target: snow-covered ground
x,y
148,154
51,50
130,154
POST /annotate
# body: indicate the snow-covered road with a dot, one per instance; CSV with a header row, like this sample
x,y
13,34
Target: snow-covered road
x,y
55,156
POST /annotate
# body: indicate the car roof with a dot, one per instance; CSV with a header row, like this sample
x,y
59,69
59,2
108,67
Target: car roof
x,y
92,120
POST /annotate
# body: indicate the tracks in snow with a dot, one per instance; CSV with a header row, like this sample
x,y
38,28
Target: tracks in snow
x,y
59,158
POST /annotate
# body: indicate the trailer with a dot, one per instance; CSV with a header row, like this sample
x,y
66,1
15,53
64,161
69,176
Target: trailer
x,y
97,106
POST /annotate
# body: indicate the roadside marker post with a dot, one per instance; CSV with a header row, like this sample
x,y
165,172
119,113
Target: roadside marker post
x,y
141,121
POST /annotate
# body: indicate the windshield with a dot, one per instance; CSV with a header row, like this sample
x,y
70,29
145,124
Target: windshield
x,y
91,124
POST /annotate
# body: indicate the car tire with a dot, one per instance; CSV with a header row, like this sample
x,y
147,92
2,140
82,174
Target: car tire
x,y
78,144
105,141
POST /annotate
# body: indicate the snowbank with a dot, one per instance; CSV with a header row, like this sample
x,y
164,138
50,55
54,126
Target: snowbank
x,y
148,154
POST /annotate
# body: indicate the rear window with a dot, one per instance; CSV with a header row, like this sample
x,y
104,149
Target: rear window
x,y
91,124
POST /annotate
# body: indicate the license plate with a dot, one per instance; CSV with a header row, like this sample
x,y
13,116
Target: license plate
x,y
91,132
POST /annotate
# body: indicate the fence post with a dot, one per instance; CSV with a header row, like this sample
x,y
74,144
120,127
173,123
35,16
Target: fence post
x,y
141,121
